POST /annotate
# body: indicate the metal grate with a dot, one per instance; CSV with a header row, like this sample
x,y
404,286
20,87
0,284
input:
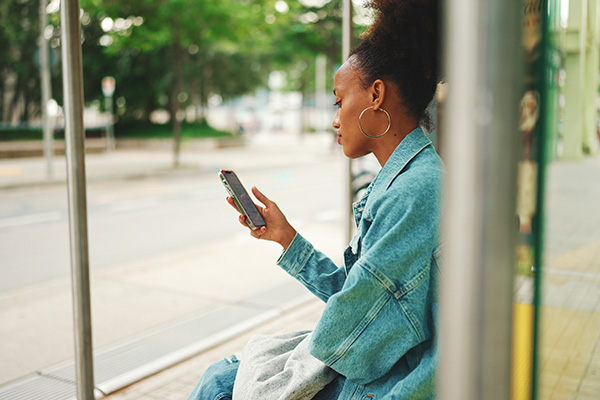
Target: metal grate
x,y
38,387
130,362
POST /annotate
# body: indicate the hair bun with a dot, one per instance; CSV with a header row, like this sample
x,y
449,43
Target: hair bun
x,y
402,46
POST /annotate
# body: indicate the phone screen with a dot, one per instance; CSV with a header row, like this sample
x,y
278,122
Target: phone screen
x,y
242,199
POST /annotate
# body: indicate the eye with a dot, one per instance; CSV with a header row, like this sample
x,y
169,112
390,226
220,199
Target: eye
x,y
338,104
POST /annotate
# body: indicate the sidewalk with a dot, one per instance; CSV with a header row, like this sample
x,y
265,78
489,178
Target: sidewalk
x,y
130,163
570,329
176,383
570,342
206,294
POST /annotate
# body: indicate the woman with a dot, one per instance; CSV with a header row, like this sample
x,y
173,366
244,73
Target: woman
x,y
378,330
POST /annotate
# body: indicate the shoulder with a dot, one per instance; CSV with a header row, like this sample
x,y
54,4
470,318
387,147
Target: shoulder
x,y
419,179
425,167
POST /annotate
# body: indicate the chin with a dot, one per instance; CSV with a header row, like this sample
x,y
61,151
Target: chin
x,y
353,154
347,153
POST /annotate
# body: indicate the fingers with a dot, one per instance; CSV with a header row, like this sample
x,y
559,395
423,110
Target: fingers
x,y
261,197
242,220
232,203
257,233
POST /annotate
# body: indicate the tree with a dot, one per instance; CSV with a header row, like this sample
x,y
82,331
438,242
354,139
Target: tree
x,y
190,44
174,53
19,76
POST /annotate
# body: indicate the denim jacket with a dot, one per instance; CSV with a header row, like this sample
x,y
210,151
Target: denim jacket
x,y
379,326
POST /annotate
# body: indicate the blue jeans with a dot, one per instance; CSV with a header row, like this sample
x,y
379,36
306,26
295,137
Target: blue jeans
x,y
217,383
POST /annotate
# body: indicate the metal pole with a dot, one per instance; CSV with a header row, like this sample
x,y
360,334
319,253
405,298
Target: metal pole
x,y
108,89
110,140
75,152
346,48
46,88
482,57
320,99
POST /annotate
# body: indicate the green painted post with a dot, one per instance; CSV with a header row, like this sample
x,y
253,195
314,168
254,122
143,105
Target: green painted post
x,y
543,84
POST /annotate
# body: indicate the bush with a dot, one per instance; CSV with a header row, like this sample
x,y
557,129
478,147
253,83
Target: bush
x,y
132,130
149,130
21,134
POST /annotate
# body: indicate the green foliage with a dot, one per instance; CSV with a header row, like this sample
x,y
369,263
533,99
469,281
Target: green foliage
x,y
148,130
132,130
175,53
19,29
21,134
172,53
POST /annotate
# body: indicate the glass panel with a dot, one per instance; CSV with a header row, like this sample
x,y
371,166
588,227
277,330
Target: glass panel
x,y
569,334
568,327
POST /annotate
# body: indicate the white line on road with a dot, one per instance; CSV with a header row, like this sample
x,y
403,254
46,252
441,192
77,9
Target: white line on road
x,y
30,219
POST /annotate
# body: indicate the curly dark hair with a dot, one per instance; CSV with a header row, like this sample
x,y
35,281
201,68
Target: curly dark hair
x,y
402,47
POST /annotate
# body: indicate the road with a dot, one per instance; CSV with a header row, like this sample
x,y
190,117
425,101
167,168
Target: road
x,y
130,219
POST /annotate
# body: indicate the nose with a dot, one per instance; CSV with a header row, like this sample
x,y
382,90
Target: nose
x,y
336,121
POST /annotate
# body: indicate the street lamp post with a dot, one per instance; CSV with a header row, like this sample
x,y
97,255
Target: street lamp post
x,y
46,88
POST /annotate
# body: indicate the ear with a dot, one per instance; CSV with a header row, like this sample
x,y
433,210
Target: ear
x,y
377,93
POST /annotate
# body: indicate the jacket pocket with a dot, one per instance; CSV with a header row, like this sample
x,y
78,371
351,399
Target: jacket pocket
x,y
352,253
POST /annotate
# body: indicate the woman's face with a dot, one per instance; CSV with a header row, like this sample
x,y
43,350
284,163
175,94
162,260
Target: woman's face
x,y
351,99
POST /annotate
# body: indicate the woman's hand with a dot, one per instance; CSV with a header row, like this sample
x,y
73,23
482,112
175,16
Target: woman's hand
x,y
277,228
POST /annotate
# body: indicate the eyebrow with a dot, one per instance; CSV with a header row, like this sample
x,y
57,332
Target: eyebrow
x,y
334,92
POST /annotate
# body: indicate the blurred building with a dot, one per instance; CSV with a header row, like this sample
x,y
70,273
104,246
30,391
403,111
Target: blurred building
x,y
575,37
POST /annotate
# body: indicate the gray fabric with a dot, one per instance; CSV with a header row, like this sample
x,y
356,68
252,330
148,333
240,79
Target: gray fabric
x,y
280,367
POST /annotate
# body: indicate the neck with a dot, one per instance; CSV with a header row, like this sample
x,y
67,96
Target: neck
x,y
385,146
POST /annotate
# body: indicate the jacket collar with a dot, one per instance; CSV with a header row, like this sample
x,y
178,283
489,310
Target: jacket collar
x,y
408,148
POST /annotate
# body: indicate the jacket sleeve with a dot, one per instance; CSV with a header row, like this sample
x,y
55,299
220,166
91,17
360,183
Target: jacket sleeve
x,y
385,306
312,268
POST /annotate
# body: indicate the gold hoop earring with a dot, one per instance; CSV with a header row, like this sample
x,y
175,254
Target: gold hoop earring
x,y
371,136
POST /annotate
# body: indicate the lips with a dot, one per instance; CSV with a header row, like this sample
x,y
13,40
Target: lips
x,y
339,139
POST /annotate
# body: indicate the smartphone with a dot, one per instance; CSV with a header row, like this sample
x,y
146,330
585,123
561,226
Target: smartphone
x,y
241,198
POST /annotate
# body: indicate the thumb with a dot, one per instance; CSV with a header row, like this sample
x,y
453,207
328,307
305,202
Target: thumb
x,y
261,197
